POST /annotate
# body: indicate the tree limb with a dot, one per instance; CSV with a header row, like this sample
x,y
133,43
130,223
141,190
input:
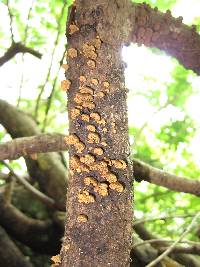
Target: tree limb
x,y
30,145
55,142
41,236
156,29
143,171
186,260
18,48
172,247
195,249
10,255
35,192
47,169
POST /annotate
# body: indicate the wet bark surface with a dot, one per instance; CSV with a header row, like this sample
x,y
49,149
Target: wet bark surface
x,y
99,205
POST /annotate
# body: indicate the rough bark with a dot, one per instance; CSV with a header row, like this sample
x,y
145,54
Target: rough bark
x,y
10,255
47,169
156,29
99,215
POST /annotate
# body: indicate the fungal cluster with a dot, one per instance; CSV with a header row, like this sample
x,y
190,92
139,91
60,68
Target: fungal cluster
x,y
97,172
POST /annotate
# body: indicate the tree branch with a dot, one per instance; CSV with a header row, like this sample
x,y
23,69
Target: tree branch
x,y
36,193
41,236
195,249
47,169
156,29
172,247
10,255
30,145
55,142
143,171
186,260
15,49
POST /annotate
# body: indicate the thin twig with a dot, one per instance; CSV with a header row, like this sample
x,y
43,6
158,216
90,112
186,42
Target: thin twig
x,y
50,98
170,249
25,39
11,21
164,240
39,195
162,218
51,61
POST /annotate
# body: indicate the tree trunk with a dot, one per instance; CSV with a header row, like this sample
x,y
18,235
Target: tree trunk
x,y
99,205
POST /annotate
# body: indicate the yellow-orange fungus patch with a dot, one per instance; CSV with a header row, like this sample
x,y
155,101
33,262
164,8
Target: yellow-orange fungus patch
x,y
72,52
100,94
87,159
75,112
93,138
85,197
95,116
100,166
91,128
102,189
65,85
82,218
56,259
86,90
119,164
90,181
110,177
79,147
117,187
98,151
89,51
97,42
85,117
73,28
65,66
95,81
71,139
91,64
82,79
106,84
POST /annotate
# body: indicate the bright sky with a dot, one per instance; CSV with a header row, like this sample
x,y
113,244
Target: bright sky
x,y
141,63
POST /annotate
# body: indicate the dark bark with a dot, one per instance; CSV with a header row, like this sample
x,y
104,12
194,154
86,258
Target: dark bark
x,y
41,236
10,255
99,216
47,169
15,49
